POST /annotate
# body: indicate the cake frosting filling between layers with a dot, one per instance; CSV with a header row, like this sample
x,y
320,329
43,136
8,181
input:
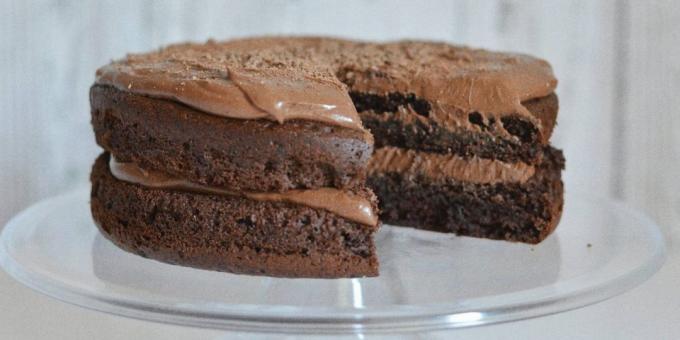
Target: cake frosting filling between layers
x,y
440,167
342,203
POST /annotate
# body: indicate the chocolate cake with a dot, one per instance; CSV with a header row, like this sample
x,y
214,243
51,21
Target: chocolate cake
x,y
255,156
461,137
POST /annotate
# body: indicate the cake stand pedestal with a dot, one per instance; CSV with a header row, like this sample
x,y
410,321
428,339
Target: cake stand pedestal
x,y
428,281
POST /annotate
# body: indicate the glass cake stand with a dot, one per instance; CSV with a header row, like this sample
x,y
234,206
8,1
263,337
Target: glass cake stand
x,y
428,281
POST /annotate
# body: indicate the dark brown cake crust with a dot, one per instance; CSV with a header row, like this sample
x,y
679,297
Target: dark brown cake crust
x,y
526,145
526,212
249,155
229,233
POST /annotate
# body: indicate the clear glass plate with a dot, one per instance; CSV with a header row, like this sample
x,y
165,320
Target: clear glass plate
x,y
428,280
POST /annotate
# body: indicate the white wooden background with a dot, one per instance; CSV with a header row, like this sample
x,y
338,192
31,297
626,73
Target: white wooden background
x,y
618,63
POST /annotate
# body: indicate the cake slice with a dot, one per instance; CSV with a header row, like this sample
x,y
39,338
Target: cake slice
x,y
236,157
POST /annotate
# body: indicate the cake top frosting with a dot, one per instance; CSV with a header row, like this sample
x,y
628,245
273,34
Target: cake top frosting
x,y
285,78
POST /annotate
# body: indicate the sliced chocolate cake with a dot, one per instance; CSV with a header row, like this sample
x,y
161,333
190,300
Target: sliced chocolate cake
x,y
251,156
461,136
234,158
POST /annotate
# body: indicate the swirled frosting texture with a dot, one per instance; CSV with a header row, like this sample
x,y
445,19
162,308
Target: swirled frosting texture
x,y
284,78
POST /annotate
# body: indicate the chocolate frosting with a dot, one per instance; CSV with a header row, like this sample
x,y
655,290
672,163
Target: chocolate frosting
x,y
282,79
440,167
238,80
343,203
455,80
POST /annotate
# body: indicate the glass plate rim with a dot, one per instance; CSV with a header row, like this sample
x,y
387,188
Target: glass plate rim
x,y
396,318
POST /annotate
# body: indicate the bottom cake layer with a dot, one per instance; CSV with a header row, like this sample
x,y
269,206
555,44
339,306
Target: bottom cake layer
x,y
524,212
229,233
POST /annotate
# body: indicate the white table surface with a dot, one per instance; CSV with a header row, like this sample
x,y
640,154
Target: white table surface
x,y
650,311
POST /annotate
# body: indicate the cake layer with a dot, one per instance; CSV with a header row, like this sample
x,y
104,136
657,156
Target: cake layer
x,y
524,211
229,233
241,155
288,78
402,121
275,79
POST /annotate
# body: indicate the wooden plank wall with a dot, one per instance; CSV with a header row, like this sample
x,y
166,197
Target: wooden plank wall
x,y
651,112
50,50
617,63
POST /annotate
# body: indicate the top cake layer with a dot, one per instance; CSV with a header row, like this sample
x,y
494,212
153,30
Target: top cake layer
x,y
309,78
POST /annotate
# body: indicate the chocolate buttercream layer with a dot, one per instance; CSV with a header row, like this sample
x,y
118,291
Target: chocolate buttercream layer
x,y
229,233
282,79
443,167
355,207
402,122
240,155
237,81
516,211
454,81
410,110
